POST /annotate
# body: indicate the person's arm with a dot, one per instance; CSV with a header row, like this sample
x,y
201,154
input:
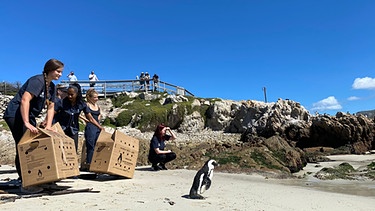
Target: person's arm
x,y
158,151
25,109
84,118
173,136
50,114
93,121
155,146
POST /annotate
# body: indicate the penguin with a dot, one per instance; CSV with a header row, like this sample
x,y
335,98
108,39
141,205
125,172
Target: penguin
x,y
202,180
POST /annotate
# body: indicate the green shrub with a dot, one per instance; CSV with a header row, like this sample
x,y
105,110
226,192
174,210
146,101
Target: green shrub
x,y
4,125
340,172
371,166
261,159
107,122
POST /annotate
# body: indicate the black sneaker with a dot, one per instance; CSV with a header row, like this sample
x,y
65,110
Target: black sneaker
x,y
162,166
156,167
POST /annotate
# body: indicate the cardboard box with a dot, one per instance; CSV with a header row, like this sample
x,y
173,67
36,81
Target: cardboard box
x,y
47,156
115,154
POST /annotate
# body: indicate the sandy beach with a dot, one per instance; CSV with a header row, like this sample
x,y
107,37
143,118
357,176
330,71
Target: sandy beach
x,y
168,190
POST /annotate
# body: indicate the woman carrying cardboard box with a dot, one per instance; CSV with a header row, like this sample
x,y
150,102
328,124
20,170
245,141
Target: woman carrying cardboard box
x,y
36,93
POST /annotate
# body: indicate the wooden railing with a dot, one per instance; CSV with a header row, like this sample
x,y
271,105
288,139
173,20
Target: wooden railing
x,y
110,87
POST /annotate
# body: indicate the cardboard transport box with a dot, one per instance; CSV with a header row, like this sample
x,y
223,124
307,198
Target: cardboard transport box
x,y
115,154
47,156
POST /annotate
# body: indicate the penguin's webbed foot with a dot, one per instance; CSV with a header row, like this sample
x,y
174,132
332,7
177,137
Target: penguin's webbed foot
x,y
196,196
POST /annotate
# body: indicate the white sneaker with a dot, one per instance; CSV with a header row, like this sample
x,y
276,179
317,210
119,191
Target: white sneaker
x,y
32,189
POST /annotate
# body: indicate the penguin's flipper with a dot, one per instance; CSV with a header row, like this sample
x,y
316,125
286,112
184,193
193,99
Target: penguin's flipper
x,y
207,183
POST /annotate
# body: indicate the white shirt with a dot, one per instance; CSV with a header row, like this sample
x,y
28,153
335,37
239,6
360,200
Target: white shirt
x,y
72,78
92,77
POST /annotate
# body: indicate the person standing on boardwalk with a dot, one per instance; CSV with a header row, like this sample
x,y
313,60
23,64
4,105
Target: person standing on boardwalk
x,y
93,78
35,94
72,77
142,80
147,80
155,80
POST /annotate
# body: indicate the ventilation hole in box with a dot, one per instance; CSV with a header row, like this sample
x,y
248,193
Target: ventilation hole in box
x,y
48,167
29,171
26,153
45,148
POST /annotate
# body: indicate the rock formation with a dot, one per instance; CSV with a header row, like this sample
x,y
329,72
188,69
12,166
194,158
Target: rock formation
x,y
272,135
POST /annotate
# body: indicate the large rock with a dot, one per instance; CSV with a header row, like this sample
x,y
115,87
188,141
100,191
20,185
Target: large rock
x,y
220,114
353,131
268,119
193,123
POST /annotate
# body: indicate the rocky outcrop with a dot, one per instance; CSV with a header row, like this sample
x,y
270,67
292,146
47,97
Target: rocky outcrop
x,y
4,100
353,131
220,114
268,119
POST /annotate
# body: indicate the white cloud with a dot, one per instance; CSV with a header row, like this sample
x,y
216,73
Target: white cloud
x,y
353,98
364,83
330,103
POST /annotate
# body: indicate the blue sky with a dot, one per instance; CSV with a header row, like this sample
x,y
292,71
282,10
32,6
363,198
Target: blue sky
x,y
318,53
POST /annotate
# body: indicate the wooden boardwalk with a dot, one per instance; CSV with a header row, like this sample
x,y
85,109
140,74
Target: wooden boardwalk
x,y
111,87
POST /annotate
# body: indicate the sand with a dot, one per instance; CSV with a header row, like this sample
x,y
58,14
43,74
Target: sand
x,y
167,190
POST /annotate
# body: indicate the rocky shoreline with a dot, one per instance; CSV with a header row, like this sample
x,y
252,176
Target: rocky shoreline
x,y
279,138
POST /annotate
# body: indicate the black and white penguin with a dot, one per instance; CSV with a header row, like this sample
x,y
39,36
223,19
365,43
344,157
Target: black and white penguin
x,y
202,180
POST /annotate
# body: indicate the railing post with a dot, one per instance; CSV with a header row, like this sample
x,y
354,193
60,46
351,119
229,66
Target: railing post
x,y
105,90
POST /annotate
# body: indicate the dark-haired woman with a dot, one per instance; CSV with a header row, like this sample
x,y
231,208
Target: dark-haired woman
x,y
36,93
68,110
158,156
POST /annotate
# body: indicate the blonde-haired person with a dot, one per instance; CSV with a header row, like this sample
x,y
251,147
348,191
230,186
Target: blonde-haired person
x,y
36,93
93,127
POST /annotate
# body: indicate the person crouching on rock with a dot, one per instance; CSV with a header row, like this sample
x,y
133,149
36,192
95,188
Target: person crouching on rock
x,y
158,156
